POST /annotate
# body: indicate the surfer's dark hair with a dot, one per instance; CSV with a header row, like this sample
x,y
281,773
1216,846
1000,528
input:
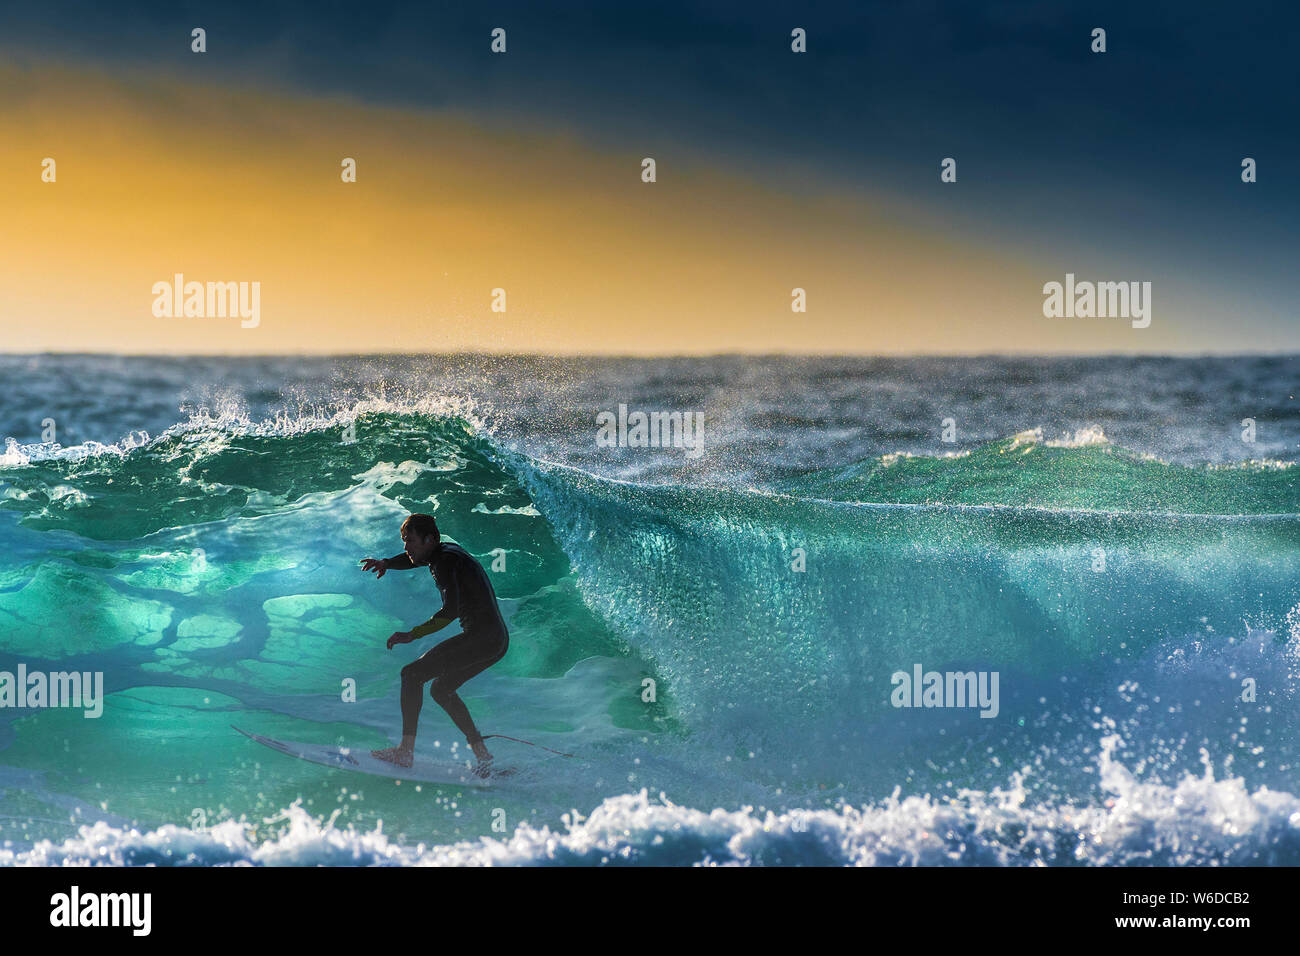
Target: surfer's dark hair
x,y
423,525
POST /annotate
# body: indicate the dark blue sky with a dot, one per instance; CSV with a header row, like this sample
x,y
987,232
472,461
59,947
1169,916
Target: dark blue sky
x,y
882,86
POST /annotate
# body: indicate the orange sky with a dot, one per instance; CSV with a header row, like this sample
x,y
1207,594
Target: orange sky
x,y
157,177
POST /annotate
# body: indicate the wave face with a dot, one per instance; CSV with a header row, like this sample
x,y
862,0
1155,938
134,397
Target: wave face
x,y
719,655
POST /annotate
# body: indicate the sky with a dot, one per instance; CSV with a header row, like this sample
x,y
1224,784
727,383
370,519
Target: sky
x,y
522,171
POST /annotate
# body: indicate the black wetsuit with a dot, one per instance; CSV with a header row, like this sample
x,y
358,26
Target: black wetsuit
x,y
466,594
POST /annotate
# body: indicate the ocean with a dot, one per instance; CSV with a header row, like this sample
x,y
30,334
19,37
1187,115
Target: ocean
x,y
719,630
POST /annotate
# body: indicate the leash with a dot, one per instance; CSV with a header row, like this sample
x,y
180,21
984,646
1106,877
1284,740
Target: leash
x,y
529,742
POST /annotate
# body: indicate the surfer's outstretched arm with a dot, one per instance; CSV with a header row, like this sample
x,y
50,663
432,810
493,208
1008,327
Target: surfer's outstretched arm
x,y
399,562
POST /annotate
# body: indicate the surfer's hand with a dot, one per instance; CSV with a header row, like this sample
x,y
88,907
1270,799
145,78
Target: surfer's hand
x,y
378,565
400,637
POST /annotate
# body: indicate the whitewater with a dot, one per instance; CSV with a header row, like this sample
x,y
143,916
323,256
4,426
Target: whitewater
x,y
713,638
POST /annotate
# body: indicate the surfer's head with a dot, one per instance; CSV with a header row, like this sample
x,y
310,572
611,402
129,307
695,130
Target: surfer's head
x,y
421,537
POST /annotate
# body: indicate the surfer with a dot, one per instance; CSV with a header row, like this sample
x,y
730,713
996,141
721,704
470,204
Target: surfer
x,y
466,594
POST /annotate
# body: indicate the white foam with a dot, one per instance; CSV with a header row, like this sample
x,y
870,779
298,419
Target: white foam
x,y
210,434
1200,820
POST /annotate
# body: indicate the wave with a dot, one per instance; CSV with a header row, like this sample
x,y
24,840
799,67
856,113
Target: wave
x,y
1113,593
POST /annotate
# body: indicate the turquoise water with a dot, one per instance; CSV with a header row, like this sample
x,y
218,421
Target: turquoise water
x,y
211,575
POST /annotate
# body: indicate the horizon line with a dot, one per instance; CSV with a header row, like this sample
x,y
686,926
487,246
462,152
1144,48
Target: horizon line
x,y
647,356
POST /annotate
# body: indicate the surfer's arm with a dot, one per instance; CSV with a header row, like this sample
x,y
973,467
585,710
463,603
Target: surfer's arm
x,y
381,566
435,623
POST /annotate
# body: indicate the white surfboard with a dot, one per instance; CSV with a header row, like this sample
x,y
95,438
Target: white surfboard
x,y
359,760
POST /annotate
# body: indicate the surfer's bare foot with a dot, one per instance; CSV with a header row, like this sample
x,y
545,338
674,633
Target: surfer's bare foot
x,y
484,767
401,756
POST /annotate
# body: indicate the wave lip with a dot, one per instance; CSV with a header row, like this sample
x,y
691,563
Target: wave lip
x,y
1078,472
234,422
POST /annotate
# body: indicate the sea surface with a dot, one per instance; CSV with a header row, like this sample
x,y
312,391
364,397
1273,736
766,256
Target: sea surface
x,y
711,632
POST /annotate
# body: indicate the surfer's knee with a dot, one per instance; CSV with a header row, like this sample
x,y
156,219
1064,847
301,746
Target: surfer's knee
x,y
410,674
440,692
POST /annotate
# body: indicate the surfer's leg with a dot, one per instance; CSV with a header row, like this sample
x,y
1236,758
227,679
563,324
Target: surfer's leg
x,y
473,660
414,676
450,701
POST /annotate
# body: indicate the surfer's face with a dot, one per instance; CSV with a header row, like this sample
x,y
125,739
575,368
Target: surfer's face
x,y
419,548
